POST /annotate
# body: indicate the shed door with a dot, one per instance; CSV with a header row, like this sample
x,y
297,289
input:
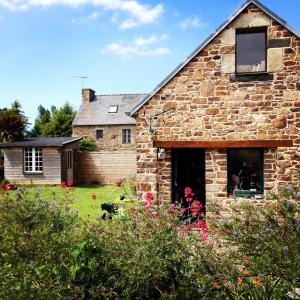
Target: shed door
x,y
70,164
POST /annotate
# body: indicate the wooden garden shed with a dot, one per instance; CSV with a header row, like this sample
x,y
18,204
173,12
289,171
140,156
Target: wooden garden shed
x,y
41,160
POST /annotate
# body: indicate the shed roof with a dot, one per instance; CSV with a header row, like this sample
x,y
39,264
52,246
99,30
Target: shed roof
x,y
97,112
41,142
207,41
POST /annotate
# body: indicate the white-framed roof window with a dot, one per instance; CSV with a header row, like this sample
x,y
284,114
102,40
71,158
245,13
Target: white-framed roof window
x,y
113,108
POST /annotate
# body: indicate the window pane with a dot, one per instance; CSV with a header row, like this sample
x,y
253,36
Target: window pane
x,y
245,170
99,134
113,108
251,52
126,136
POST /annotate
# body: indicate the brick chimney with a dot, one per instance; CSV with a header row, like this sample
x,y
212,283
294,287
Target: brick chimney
x,y
88,95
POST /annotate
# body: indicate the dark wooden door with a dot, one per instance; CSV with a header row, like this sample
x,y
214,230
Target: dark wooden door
x,y
188,170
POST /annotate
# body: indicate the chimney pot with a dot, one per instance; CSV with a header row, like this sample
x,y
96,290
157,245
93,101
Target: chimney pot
x,y
88,95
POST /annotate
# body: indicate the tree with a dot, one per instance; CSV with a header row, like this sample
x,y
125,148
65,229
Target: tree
x,y
43,118
54,122
13,123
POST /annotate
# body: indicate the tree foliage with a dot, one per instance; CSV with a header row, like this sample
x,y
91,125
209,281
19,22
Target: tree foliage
x,y
87,145
54,122
13,123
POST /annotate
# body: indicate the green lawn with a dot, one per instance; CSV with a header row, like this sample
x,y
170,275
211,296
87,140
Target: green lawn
x,y
81,198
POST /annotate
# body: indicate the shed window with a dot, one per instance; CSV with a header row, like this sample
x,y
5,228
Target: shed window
x,y
250,51
113,108
126,136
99,134
245,171
33,160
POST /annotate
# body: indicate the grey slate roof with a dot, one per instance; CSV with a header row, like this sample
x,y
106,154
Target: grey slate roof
x,y
207,41
41,142
96,112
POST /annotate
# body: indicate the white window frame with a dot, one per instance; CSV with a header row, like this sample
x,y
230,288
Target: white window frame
x,y
126,136
35,151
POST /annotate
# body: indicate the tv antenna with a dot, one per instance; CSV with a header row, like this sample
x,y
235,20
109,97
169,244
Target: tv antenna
x,y
80,77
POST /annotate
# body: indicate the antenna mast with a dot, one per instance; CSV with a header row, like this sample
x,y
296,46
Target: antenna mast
x,y
80,77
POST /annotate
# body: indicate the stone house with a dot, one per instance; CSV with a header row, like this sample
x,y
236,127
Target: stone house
x,y
105,119
225,122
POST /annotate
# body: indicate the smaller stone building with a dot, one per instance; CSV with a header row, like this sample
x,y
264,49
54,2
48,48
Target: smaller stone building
x,y
104,119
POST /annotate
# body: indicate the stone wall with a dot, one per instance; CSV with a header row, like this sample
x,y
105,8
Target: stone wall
x,y
105,167
212,103
112,136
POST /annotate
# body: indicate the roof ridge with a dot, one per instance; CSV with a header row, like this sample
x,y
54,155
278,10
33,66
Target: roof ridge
x,y
121,94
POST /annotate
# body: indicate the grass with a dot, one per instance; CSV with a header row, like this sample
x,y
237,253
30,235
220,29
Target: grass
x,y
81,198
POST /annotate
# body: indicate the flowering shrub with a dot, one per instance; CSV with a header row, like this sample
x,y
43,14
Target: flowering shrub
x,y
153,252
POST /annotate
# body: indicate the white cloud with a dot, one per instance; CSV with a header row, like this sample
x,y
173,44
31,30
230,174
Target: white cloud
x,y
193,21
90,18
141,46
139,13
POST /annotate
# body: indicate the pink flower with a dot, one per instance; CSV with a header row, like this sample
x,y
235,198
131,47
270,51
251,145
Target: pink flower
x,y
94,197
197,206
149,197
147,205
183,210
202,225
63,184
173,206
189,199
69,183
204,237
187,191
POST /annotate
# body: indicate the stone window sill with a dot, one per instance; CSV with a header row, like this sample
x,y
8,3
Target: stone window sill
x,y
246,77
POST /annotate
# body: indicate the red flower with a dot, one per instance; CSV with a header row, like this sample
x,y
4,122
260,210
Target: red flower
x,y
69,183
183,210
149,197
94,197
63,184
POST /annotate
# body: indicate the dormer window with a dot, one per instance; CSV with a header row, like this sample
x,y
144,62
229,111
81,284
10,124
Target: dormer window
x,y
113,108
251,50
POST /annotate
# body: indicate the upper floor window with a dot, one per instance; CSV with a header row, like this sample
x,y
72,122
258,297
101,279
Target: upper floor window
x,y
99,134
250,51
33,160
126,136
113,109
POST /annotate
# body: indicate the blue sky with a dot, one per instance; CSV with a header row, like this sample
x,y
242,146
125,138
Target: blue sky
x,y
123,46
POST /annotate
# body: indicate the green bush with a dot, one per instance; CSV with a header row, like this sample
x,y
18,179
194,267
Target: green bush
x,y
36,237
266,243
87,145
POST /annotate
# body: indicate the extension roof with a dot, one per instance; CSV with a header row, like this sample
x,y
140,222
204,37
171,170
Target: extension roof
x,y
207,41
42,142
97,112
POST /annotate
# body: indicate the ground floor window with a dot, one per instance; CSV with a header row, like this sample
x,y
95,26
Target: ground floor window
x,y
33,160
245,171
